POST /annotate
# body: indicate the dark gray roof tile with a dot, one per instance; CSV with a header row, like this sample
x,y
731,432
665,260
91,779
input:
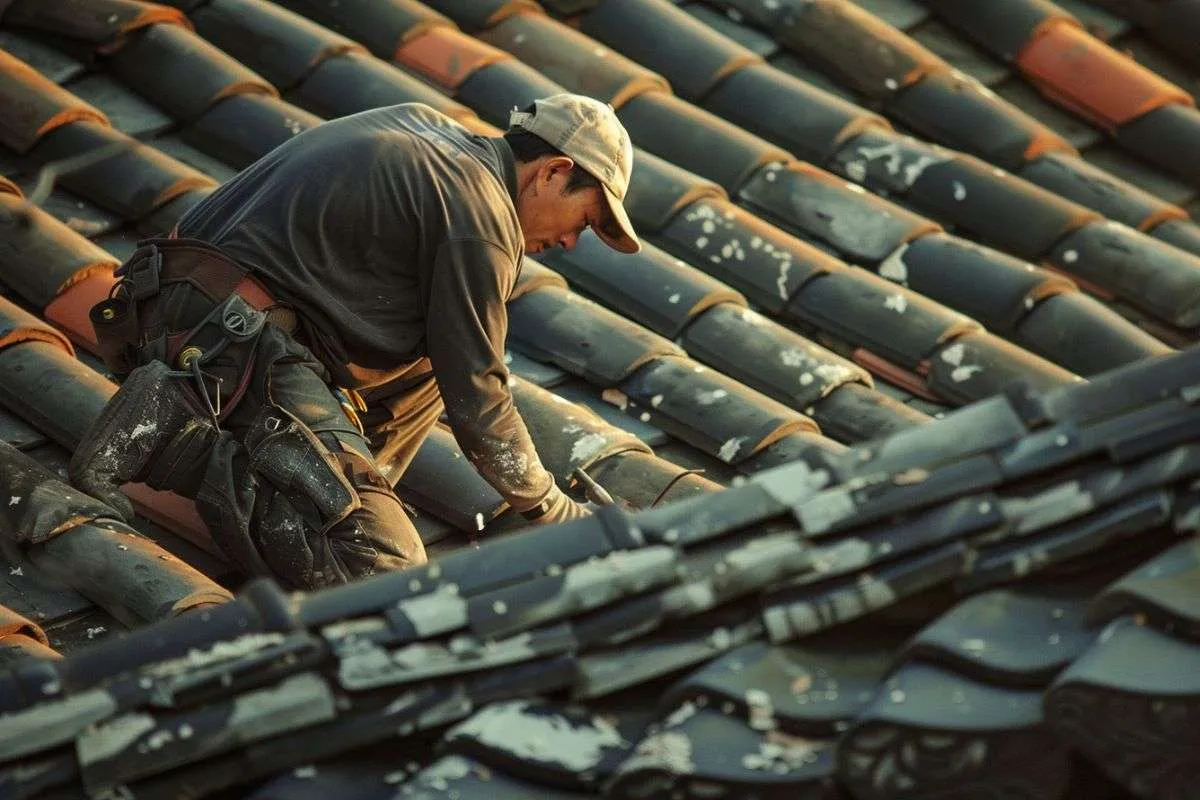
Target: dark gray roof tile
x,y
582,337
240,129
127,112
130,179
960,112
41,253
661,292
280,45
1134,678
1076,131
380,26
959,53
789,112
182,73
693,57
49,61
730,24
1165,137
1054,328
41,103
571,59
1003,29
98,23
351,82
582,394
696,140
658,190
442,482
902,14
1143,271
495,89
708,410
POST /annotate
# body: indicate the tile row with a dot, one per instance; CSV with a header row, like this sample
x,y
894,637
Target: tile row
x,y
802,558
1143,112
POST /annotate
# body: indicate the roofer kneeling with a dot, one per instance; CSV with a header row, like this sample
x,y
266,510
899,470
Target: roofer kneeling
x,y
308,321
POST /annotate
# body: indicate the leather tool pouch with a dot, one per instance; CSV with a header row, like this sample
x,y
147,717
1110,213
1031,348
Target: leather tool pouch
x,y
116,324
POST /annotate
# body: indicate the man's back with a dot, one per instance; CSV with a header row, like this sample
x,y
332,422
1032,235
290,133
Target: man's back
x,y
344,222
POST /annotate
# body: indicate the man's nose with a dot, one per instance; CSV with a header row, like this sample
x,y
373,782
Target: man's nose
x,y
568,240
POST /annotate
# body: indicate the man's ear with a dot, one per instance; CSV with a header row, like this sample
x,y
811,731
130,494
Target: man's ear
x,y
554,167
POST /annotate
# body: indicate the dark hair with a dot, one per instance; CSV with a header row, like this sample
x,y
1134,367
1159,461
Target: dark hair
x,y
528,147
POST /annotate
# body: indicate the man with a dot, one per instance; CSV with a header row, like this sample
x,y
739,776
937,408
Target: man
x,y
309,321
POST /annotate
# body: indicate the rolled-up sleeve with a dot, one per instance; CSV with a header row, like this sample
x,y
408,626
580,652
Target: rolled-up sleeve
x,y
466,325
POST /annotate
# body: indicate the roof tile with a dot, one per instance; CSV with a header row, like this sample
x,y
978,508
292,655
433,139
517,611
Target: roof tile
x,y
1079,71
283,46
729,24
658,190
101,22
661,292
959,112
37,105
958,53
126,111
709,410
442,481
352,82
854,412
381,25
1077,132
1001,28
181,73
811,203
810,122
696,140
977,365
494,90
552,324
1079,180
242,128
898,324
860,49
39,254
52,63
131,179
739,248
694,57
446,56
571,59
1166,138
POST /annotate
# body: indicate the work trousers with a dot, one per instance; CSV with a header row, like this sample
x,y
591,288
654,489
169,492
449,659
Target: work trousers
x,y
292,487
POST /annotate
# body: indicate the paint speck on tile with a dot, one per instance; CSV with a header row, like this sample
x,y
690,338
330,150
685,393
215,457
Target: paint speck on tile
x,y
644,416
806,379
656,401
891,84
673,299
792,357
730,449
784,267
896,302
960,191
708,226
1070,256
954,354
707,397
16,498
893,267
701,242
963,373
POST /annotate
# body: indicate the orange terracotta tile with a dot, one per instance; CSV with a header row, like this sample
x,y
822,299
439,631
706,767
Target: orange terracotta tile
x,y
1074,68
447,56
69,310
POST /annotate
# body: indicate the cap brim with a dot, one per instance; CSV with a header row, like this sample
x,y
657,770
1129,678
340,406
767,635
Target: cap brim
x,y
618,233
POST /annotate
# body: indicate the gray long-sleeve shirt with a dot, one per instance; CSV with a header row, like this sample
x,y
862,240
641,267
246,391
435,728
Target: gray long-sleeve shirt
x,y
394,235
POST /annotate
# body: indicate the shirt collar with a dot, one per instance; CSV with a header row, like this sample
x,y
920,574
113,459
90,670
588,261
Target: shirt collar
x,y
508,164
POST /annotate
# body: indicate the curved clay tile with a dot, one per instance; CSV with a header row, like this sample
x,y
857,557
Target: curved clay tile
x,y
571,59
693,57
476,15
39,255
100,22
494,90
240,129
446,56
284,46
1091,78
18,326
182,73
34,105
381,25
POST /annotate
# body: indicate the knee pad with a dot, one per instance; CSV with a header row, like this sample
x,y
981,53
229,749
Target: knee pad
x,y
284,451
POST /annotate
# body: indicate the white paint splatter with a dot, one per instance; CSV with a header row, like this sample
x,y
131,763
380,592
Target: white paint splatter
x,y
587,447
656,401
893,267
702,243
792,358
960,191
896,302
730,449
954,354
673,299
707,397
1070,256
16,498
781,281
960,374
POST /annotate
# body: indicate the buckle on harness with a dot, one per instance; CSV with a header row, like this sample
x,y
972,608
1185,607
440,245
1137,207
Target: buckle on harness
x,y
240,320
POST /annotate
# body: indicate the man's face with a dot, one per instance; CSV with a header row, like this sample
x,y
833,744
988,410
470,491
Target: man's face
x,y
550,215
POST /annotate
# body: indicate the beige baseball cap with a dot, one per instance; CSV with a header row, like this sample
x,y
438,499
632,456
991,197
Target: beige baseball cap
x,y
589,133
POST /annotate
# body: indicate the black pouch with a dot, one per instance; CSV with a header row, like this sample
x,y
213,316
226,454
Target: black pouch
x,y
115,321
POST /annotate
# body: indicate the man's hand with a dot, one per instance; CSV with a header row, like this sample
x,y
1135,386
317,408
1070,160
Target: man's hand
x,y
558,507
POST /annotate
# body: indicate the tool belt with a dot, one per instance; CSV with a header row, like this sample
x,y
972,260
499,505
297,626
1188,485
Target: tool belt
x,y
130,326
